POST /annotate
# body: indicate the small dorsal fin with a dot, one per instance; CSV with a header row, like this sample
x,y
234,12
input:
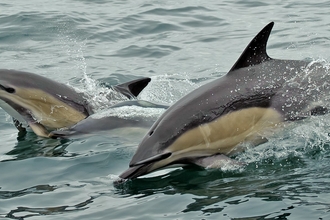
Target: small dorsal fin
x,y
255,53
132,88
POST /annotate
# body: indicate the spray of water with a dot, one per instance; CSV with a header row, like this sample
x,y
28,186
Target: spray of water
x,y
168,88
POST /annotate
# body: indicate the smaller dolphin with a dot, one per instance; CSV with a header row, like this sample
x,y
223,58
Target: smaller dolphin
x,y
43,104
128,114
256,96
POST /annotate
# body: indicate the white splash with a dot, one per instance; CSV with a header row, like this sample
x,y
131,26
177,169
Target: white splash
x,y
129,112
167,88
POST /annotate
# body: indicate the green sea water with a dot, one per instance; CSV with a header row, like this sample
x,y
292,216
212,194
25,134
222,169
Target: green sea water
x,y
181,45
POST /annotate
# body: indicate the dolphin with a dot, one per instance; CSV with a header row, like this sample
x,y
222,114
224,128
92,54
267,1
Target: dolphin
x,y
128,114
43,104
216,120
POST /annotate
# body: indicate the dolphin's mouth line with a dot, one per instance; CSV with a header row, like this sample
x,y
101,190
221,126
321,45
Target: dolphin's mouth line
x,y
152,159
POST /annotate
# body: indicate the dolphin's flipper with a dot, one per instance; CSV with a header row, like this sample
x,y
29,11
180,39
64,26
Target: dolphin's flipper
x,y
216,161
39,129
132,88
19,125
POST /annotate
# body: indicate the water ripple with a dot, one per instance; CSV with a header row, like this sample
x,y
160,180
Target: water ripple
x,y
180,45
154,51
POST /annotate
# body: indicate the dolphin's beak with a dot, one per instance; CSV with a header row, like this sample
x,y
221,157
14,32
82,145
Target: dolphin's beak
x,y
146,166
135,171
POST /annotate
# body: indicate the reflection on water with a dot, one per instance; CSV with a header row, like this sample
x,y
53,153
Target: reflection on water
x,y
30,145
26,212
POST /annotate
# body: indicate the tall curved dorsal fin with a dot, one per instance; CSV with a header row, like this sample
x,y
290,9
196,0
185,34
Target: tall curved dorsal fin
x,y
255,53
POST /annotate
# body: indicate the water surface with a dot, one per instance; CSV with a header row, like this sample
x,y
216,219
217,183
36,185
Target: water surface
x,y
180,45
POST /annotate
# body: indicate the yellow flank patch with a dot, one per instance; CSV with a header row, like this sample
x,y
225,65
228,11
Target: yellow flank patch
x,y
46,109
225,133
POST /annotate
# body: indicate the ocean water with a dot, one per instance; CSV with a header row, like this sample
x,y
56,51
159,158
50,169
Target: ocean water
x,y
180,45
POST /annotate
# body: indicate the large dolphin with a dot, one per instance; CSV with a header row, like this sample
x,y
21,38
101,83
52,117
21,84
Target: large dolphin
x,y
257,95
44,104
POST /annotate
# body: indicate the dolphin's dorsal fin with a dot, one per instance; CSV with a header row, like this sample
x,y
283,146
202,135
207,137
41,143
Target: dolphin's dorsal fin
x,y
132,88
255,53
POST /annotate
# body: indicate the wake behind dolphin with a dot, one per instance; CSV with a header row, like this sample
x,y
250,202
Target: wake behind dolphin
x,y
254,98
44,104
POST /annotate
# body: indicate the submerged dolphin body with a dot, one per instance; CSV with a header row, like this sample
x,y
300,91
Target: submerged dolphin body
x,y
43,104
257,94
129,114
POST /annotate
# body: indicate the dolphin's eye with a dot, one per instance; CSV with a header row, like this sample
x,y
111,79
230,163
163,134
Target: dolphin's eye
x,y
7,89
10,90
151,132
